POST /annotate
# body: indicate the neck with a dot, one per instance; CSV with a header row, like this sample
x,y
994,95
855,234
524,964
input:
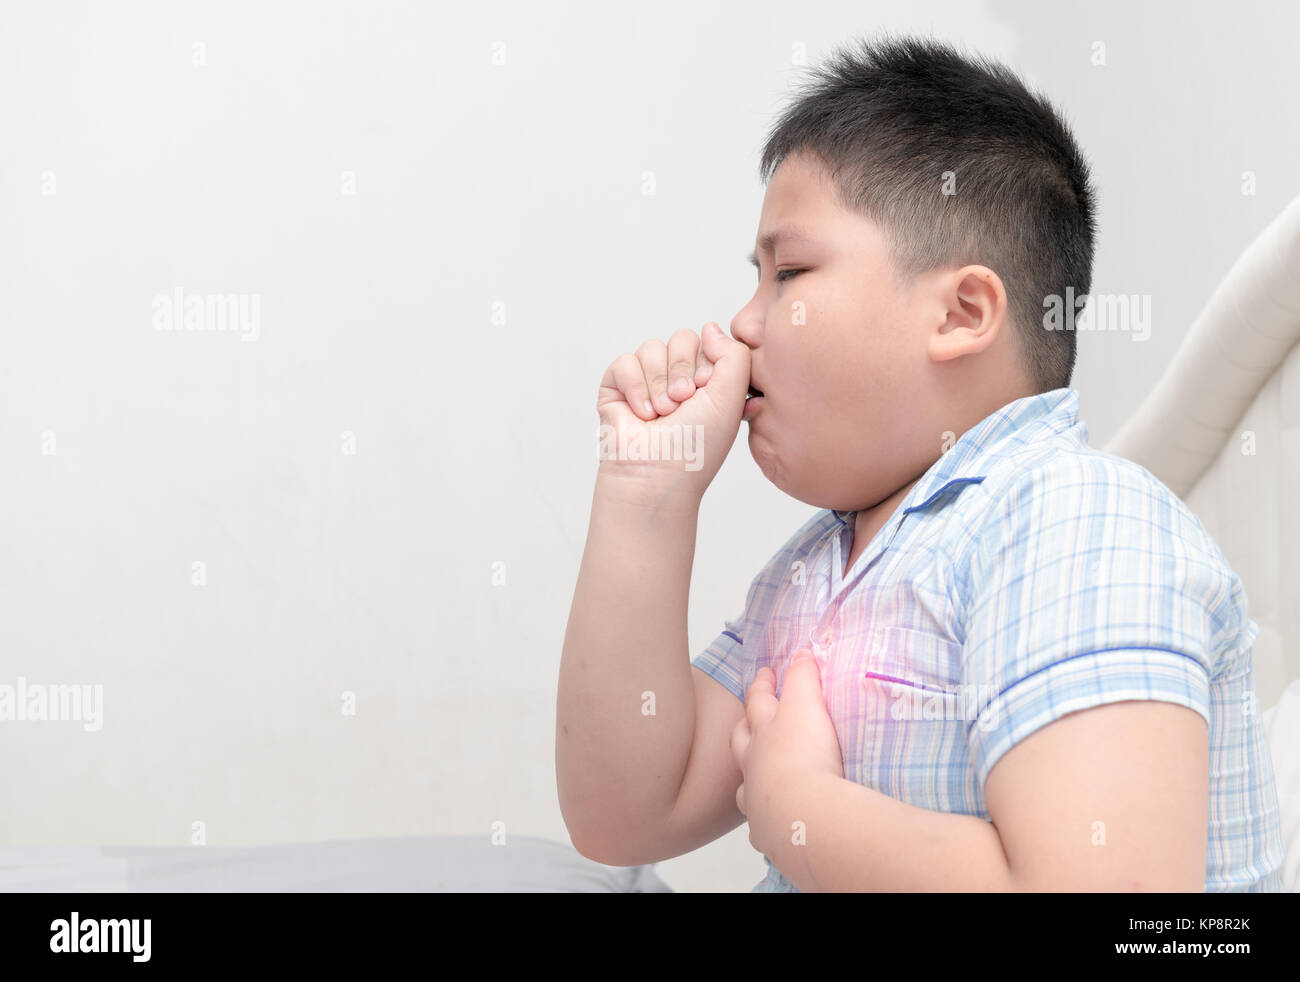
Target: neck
x,y
869,521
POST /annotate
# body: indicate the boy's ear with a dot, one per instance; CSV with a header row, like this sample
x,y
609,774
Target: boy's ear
x,y
972,303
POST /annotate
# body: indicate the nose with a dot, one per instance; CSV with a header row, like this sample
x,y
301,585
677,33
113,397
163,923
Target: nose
x,y
747,325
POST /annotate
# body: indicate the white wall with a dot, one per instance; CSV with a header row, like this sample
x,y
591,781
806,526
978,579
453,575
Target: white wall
x,y
476,184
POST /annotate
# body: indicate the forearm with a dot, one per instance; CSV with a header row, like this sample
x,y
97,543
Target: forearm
x,y
617,766
860,840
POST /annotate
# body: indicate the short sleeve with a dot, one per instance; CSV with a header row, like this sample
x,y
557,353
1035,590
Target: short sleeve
x,y
1091,584
721,659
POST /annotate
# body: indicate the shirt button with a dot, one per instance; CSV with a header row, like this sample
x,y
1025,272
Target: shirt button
x,y
825,639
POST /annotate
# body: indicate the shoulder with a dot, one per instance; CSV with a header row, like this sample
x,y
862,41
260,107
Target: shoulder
x,y
1084,486
1078,518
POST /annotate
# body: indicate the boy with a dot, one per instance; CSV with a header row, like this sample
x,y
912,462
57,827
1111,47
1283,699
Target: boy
x,y
1029,666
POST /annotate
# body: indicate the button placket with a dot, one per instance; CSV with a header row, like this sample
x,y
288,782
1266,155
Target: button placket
x,y
822,639
870,557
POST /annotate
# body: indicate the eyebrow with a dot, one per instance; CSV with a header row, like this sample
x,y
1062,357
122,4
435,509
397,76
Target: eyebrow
x,y
767,240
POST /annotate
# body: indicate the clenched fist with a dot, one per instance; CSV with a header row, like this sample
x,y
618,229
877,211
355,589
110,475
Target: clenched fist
x,y
670,413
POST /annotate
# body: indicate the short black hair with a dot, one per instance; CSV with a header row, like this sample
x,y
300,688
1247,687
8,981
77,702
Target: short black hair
x,y
891,118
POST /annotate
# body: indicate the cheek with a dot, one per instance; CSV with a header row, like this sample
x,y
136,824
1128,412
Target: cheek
x,y
830,357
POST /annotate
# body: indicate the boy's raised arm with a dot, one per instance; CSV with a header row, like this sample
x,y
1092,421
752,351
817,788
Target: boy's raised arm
x,y
625,708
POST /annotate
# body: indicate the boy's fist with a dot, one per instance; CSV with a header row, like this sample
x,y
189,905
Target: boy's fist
x,y
671,412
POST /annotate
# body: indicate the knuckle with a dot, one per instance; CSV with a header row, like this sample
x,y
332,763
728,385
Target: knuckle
x,y
629,369
683,337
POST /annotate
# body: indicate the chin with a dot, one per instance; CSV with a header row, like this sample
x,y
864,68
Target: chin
x,y
803,484
775,470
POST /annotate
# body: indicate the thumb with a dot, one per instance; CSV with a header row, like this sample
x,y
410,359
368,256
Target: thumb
x,y
803,680
730,378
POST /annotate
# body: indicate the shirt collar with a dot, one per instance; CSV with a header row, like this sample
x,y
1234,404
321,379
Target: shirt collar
x,y
969,459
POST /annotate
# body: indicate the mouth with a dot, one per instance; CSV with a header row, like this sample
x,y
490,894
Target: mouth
x,y
753,393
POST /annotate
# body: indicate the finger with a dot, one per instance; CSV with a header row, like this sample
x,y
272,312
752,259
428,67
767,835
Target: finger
x,y
653,356
703,368
760,700
803,680
740,800
683,353
624,379
730,365
740,737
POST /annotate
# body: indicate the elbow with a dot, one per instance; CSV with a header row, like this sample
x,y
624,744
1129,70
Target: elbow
x,y
586,836
592,849
609,833
597,849
593,841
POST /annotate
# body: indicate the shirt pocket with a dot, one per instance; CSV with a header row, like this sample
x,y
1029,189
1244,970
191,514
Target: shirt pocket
x,y
906,675
870,659
911,657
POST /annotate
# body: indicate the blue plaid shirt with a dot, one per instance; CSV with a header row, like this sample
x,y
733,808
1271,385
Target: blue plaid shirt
x,y
1025,576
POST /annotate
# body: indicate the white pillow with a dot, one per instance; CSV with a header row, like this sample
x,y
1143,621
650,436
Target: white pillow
x,y
1282,730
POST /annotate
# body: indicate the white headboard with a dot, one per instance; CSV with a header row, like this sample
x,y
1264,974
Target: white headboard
x,y
1222,430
